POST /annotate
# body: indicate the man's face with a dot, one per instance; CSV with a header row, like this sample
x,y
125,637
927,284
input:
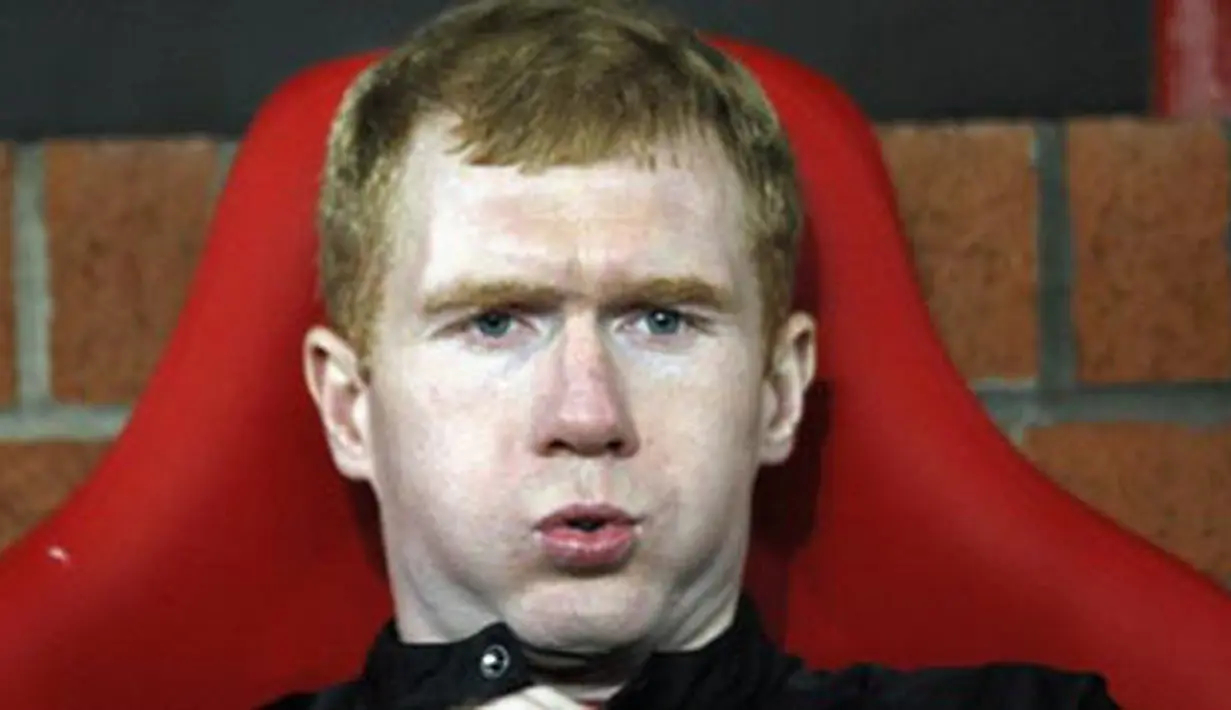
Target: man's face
x,y
587,336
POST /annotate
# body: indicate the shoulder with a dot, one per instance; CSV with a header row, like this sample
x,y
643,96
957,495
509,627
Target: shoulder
x,y
1005,686
344,696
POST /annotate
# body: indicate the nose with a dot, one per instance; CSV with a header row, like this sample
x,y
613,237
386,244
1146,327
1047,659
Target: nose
x,y
581,410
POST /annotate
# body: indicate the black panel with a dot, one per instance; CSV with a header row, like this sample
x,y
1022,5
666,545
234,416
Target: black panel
x,y
172,66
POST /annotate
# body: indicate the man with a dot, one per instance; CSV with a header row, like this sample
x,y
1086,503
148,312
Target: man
x,y
557,246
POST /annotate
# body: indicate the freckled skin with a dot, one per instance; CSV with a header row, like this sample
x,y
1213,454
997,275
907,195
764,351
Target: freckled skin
x,y
478,422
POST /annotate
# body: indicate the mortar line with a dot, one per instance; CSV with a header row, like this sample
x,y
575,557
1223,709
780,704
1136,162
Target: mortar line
x,y
31,278
1003,384
1055,271
225,150
1193,403
63,423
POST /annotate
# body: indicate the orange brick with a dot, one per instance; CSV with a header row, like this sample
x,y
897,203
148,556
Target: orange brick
x,y
125,223
968,198
1152,298
8,344
36,478
1169,483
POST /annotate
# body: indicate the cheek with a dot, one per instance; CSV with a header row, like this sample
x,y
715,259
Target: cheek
x,y
444,399
703,426
441,440
705,397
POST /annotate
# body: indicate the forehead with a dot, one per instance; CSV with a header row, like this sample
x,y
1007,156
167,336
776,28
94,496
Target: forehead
x,y
682,217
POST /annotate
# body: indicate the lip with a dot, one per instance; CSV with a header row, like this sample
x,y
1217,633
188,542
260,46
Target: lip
x,y
574,550
588,511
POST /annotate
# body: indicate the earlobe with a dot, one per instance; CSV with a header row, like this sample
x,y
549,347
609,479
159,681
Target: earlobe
x,y
334,379
790,375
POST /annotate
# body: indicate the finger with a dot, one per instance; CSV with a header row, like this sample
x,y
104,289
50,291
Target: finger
x,y
539,697
552,699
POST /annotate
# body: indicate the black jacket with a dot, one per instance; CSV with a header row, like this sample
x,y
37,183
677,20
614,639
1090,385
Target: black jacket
x,y
740,670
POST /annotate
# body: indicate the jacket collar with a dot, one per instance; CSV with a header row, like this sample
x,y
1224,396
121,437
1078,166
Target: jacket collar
x,y
741,668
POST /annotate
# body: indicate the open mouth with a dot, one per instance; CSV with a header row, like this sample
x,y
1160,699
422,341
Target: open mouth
x,y
586,518
586,524
588,537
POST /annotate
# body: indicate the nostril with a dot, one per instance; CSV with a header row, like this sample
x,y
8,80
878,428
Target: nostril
x,y
608,447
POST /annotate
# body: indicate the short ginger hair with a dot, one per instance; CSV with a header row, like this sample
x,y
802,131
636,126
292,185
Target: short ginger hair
x,y
537,84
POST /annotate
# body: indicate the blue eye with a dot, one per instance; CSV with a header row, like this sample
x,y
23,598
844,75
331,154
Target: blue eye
x,y
664,321
493,324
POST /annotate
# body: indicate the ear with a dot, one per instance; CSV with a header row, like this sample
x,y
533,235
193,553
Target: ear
x,y
792,367
335,380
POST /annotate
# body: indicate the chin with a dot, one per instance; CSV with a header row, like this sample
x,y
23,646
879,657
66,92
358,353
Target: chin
x,y
587,615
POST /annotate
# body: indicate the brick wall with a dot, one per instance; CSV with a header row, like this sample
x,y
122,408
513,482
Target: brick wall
x,y
1078,272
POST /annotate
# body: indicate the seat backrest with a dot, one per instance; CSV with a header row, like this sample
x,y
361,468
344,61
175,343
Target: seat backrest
x,y
215,559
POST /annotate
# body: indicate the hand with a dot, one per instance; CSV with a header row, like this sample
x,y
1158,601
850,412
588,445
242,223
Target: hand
x,y
538,697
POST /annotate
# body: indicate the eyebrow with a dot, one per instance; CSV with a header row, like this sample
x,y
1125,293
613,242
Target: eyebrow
x,y
477,295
